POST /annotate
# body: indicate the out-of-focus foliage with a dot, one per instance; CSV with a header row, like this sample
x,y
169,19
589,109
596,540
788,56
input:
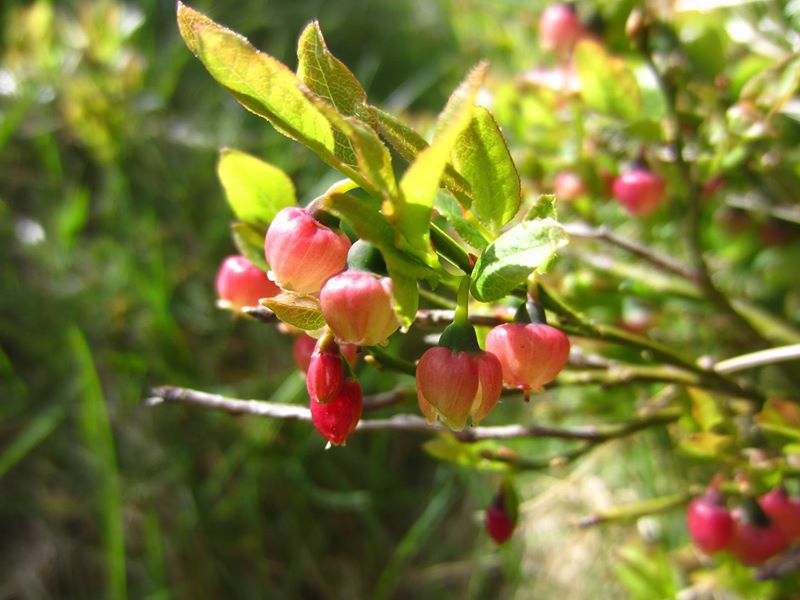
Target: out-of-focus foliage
x,y
112,225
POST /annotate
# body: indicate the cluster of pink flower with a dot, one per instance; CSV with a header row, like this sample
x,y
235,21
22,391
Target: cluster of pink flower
x,y
753,532
455,380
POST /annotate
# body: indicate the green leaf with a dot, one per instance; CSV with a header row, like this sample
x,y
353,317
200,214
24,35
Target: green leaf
x,y
705,410
327,76
405,296
510,259
296,309
448,448
372,157
408,144
262,84
480,154
706,444
607,84
371,226
543,208
511,500
445,205
412,211
255,189
249,240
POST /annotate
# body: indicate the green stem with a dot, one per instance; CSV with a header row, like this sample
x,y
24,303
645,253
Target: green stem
x,y
436,299
462,307
636,509
577,324
449,248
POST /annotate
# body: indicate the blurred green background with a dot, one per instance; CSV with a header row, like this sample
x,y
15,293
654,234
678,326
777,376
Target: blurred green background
x,y
112,225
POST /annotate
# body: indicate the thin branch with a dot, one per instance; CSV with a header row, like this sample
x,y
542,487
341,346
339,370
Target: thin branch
x,y
780,567
576,323
404,422
757,359
532,464
426,317
619,374
663,262
635,510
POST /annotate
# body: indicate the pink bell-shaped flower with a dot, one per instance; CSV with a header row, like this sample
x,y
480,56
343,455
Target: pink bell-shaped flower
x,y
531,354
358,307
457,379
302,252
240,283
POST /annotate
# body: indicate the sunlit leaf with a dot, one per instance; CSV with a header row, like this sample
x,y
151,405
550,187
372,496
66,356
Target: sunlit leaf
x,y
255,189
408,144
543,208
331,80
249,240
371,156
607,84
481,155
706,444
450,449
262,84
510,259
299,310
412,211
705,410
469,232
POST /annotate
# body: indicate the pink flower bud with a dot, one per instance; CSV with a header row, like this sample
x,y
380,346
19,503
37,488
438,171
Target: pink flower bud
x,y
358,307
302,252
568,186
531,354
241,283
325,374
499,524
304,346
338,418
640,191
560,29
456,385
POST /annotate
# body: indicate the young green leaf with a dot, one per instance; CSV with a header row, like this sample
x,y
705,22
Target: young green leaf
x,y
510,259
249,240
328,78
408,144
607,84
296,309
255,189
373,159
543,208
405,296
480,154
371,226
262,84
471,234
412,211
